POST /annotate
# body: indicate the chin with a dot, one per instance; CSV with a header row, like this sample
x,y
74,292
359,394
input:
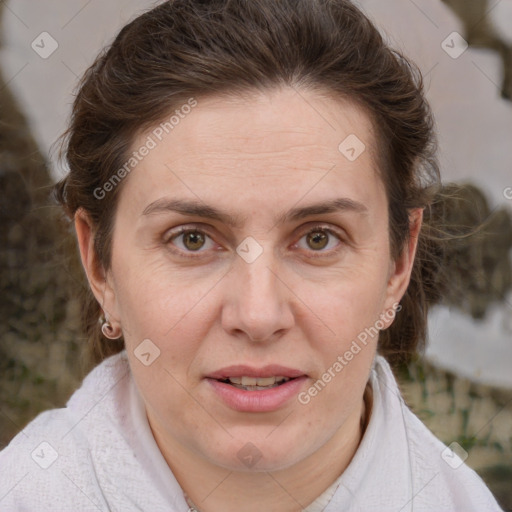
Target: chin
x,y
260,451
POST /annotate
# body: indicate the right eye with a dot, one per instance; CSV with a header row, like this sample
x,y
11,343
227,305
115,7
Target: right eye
x,y
189,241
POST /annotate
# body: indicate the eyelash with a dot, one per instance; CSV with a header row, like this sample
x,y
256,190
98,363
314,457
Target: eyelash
x,y
187,229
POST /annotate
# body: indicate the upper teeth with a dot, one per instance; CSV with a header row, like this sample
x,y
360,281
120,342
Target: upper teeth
x,y
257,381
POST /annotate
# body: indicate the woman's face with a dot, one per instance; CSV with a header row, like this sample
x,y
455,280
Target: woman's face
x,y
283,264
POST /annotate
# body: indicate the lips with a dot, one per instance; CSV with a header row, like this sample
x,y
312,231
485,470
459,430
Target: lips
x,y
250,389
272,370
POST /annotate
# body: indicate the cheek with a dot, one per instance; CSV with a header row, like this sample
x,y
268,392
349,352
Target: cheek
x,y
174,318
348,302
349,311
169,308
349,307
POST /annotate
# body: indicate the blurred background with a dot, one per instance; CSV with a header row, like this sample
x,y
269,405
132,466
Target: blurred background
x,y
461,387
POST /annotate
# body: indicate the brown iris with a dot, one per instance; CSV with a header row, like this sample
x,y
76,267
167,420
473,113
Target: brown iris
x,y
317,239
195,238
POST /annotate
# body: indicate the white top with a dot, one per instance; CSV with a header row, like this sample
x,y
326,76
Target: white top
x,y
98,454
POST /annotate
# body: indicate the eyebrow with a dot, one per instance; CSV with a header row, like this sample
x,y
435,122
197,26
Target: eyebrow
x,y
200,209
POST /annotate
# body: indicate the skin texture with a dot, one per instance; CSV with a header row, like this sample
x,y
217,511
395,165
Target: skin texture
x,y
255,157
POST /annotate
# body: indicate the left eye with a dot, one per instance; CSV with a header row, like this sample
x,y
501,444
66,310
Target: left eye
x,y
319,238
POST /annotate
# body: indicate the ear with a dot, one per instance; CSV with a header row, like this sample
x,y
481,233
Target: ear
x,y
97,276
401,268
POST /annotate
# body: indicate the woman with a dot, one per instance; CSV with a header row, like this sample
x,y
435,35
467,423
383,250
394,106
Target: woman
x,y
247,183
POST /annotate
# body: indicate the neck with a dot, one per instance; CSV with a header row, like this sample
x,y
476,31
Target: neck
x,y
211,488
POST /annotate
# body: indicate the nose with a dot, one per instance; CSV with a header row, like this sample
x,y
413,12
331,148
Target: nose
x,y
258,303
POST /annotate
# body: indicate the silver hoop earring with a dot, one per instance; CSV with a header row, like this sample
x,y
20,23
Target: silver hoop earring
x,y
109,331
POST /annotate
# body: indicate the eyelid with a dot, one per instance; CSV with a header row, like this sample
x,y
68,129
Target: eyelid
x,y
184,228
323,226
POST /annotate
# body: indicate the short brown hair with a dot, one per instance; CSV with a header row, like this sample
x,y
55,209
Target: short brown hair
x,y
194,48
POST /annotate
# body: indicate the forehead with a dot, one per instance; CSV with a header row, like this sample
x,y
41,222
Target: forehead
x,y
258,121
262,146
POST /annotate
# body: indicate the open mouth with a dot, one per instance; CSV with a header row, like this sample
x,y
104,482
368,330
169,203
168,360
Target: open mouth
x,y
248,389
255,383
